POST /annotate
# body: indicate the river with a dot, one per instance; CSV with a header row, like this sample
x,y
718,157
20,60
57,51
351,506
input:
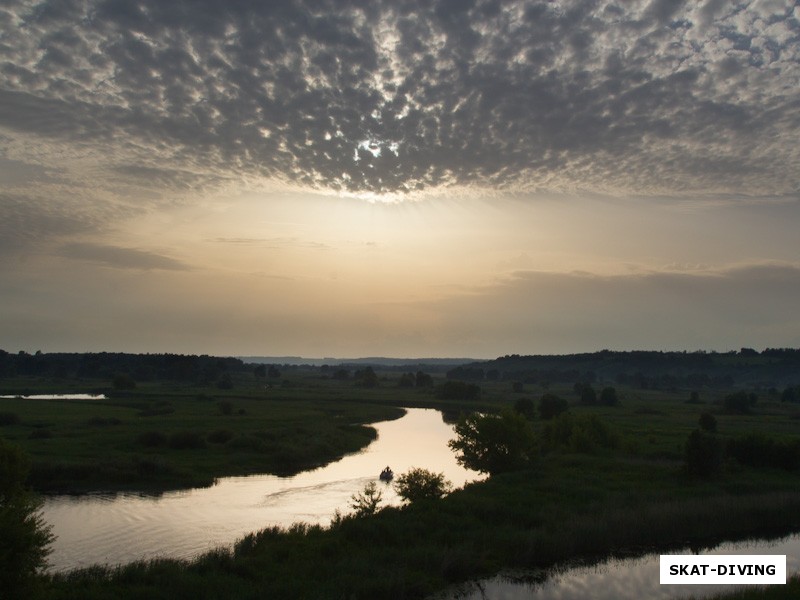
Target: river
x,y
120,528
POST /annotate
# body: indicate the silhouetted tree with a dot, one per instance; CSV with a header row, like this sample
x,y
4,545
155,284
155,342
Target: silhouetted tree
x,y
551,406
365,503
406,380
424,380
525,407
740,402
260,371
708,422
24,537
420,484
609,396
704,455
494,443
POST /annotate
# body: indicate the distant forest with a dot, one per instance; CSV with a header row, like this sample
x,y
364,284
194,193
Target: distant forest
x,y
772,367
769,368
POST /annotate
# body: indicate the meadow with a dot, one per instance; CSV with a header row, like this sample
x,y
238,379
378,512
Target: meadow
x,y
574,503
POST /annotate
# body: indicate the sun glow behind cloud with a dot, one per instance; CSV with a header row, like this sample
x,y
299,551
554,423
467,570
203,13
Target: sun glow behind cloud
x,y
397,177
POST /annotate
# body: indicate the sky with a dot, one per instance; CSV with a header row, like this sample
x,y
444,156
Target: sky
x,y
439,178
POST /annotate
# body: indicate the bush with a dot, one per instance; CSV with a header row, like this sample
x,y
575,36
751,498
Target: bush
x,y
220,436
24,537
704,455
366,502
551,406
609,396
707,422
585,434
152,439
740,403
420,484
757,450
186,440
525,407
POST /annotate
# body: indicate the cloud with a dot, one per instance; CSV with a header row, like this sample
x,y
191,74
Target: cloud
x,y
663,97
573,312
120,258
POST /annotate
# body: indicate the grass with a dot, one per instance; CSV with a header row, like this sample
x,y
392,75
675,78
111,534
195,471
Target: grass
x,y
160,438
632,499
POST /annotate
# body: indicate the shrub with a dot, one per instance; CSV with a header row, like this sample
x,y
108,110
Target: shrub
x,y
585,434
551,406
525,407
186,440
757,450
24,537
366,502
740,402
609,396
152,439
708,422
704,455
220,436
420,484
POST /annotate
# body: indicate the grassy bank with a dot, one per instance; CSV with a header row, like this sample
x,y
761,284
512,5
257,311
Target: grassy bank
x,y
568,508
160,438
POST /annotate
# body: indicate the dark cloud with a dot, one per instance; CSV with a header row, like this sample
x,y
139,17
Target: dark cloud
x,y
657,96
119,257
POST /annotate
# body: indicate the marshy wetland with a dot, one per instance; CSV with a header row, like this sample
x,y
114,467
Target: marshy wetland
x,y
605,480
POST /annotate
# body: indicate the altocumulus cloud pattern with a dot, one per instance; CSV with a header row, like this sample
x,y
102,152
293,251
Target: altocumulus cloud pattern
x,y
655,97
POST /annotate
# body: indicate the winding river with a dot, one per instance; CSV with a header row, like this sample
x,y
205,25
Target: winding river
x,y
120,528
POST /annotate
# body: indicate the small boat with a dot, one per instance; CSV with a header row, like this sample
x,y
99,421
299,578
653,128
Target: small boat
x,y
386,475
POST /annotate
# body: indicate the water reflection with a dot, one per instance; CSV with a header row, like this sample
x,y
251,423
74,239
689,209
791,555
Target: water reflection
x,y
620,579
120,528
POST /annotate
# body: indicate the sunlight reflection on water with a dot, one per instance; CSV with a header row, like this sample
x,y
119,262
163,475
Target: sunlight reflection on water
x,y
119,528
620,579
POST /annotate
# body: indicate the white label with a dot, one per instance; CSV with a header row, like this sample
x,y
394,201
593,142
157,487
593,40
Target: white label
x,y
723,568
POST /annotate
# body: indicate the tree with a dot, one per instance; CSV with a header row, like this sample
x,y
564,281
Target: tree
x,y
24,537
609,396
708,422
494,443
424,380
260,371
420,484
551,406
704,455
740,402
406,380
586,392
525,407
366,502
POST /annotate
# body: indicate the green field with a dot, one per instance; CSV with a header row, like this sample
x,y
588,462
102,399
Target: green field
x,y
573,503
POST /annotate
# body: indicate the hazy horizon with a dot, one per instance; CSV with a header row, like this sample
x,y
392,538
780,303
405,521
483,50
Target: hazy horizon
x,y
399,179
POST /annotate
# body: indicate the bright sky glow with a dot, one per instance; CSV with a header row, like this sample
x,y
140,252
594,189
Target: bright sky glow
x,y
432,179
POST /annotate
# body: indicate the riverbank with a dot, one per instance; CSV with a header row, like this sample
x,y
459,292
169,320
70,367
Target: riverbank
x,y
568,508
160,439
